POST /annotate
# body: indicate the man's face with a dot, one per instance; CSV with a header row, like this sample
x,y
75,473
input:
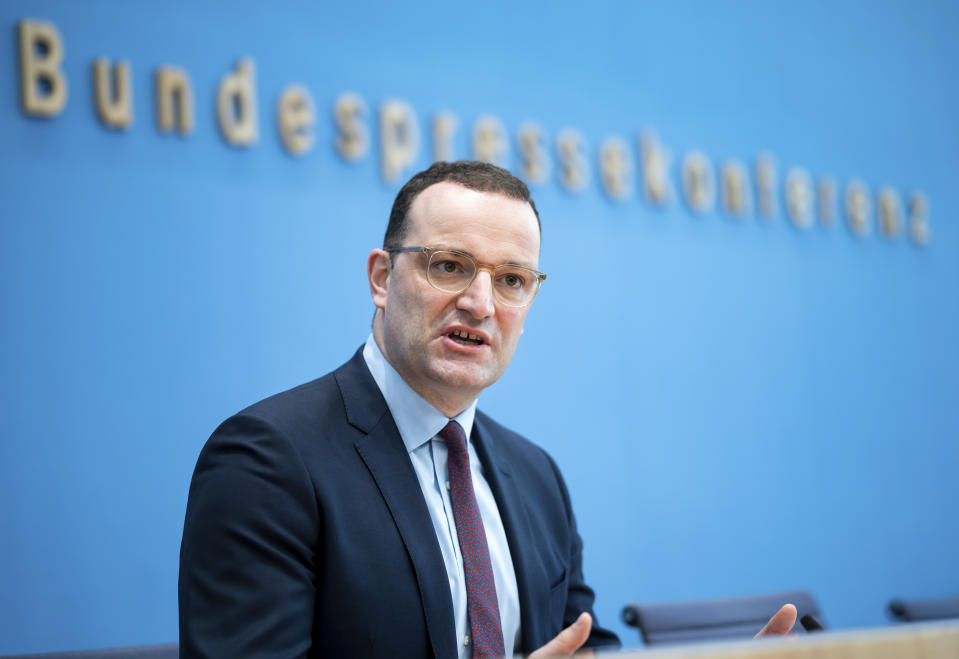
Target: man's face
x,y
418,321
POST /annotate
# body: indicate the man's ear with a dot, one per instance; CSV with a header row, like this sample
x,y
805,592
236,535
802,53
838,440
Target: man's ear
x,y
378,272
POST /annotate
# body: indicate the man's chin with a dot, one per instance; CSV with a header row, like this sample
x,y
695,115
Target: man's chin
x,y
469,378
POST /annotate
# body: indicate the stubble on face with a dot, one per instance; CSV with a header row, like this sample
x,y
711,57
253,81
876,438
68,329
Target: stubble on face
x,y
415,326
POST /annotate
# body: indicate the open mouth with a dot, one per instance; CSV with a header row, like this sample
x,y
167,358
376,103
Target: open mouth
x,y
465,338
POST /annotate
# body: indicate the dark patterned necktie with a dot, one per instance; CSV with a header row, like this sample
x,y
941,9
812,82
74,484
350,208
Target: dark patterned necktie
x,y
481,603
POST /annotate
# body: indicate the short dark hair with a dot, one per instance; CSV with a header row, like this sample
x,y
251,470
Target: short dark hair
x,y
479,176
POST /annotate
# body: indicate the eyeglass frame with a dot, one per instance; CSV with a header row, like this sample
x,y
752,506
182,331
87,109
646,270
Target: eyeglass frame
x,y
540,277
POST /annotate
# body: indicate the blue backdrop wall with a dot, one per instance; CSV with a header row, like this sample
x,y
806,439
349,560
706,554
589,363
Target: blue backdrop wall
x,y
738,405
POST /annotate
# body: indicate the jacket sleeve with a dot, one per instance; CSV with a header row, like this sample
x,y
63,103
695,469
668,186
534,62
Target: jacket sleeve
x,y
247,560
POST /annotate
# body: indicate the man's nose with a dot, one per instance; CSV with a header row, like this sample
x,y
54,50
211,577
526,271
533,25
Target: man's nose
x,y
478,298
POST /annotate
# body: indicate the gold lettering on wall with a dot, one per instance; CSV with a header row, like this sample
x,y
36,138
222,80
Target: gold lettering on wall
x,y
295,117
655,162
489,140
766,186
890,212
236,105
573,168
857,207
533,153
616,168
352,135
444,128
113,94
734,186
799,197
399,138
43,86
699,183
44,91
174,100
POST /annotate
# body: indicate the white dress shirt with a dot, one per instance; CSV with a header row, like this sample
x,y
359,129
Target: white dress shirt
x,y
419,424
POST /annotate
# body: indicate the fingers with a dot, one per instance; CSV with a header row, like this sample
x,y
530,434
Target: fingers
x,y
781,623
567,641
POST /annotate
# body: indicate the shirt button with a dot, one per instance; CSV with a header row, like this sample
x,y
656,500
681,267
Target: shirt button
x,y
448,488
466,641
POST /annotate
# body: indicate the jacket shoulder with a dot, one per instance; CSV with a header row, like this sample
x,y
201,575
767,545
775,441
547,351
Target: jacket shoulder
x,y
321,404
298,405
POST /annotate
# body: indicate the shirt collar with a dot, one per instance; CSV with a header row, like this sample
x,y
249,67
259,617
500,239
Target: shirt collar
x,y
416,419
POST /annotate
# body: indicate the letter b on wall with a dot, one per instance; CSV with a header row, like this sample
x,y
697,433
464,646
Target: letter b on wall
x,y
43,86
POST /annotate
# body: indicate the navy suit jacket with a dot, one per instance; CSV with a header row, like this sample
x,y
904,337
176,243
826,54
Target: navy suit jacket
x,y
307,535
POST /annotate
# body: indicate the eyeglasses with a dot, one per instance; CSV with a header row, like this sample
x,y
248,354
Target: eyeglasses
x,y
452,271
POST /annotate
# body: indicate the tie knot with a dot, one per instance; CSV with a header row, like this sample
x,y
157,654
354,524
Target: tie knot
x,y
454,436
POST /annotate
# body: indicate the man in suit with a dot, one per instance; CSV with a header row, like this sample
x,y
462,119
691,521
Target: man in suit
x,y
351,516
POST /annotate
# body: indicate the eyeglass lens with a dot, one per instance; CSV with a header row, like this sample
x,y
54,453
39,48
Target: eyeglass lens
x,y
452,273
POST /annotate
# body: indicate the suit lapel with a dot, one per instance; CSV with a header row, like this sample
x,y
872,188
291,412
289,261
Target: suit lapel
x,y
530,578
383,452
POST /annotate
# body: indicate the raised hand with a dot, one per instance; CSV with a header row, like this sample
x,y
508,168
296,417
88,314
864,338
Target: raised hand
x,y
569,640
781,623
